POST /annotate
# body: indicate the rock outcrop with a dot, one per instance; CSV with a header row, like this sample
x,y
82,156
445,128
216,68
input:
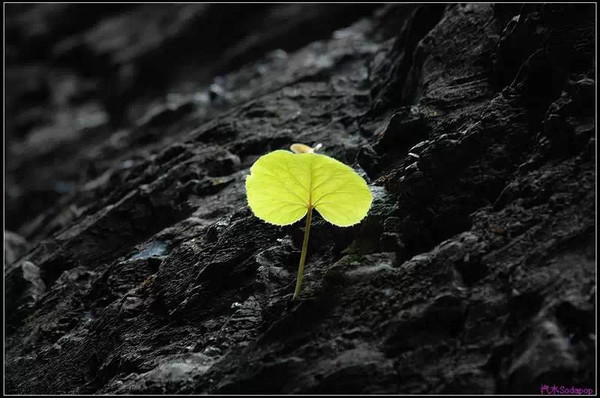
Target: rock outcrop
x,y
137,267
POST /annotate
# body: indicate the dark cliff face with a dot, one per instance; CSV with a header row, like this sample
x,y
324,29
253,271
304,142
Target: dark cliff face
x,y
134,265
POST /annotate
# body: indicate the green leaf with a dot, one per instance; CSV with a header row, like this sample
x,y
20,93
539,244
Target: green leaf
x,y
282,186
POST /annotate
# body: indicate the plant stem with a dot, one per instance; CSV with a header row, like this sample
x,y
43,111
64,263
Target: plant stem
x,y
303,254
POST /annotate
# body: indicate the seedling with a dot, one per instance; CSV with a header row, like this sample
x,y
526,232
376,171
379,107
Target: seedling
x,y
283,187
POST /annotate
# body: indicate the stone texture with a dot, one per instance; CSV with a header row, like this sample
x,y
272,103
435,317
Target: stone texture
x,y
130,130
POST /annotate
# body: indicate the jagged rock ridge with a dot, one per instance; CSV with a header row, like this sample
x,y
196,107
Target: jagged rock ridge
x,y
137,266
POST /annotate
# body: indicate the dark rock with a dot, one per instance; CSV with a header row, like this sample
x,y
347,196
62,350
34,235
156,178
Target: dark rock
x,y
136,266
24,288
15,246
545,361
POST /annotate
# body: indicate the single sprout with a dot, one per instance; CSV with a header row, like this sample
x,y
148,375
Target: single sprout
x,y
301,148
283,187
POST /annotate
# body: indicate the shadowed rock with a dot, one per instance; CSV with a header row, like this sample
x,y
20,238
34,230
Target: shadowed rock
x,y
139,268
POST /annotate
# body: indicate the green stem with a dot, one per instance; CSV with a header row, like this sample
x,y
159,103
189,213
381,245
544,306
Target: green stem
x,y
303,254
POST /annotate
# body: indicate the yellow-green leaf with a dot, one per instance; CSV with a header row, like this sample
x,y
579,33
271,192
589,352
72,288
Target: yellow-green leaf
x,y
282,186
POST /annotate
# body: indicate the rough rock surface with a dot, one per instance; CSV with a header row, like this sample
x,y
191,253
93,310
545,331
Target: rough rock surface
x,y
131,128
